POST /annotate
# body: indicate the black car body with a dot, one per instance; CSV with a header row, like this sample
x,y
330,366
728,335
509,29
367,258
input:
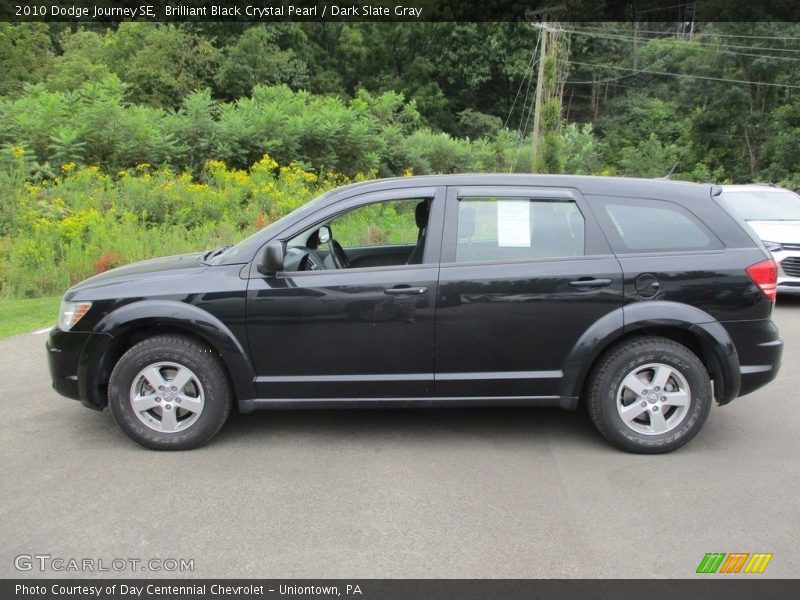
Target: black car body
x,y
479,315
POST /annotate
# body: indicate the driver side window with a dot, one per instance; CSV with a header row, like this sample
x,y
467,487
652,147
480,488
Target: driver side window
x,y
385,223
384,233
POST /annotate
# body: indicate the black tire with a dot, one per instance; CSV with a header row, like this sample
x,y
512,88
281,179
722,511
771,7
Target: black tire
x,y
202,361
606,392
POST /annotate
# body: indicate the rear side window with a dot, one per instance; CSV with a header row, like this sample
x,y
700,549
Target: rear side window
x,y
656,226
517,228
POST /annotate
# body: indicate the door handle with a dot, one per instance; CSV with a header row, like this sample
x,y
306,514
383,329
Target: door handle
x,y
405,291
591,283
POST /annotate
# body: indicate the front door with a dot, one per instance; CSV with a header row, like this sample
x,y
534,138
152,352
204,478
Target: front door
x,y
358,325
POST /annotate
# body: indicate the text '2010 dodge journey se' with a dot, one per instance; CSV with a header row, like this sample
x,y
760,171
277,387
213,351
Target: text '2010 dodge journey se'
x,y
644,299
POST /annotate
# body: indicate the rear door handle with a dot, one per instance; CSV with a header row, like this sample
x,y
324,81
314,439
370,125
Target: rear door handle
x,y
405,290
591,283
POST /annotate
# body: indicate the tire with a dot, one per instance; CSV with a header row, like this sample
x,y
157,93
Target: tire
x,y
168,417
649,395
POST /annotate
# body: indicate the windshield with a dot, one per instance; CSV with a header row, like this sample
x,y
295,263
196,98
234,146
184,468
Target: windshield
x,y
245,250
767,205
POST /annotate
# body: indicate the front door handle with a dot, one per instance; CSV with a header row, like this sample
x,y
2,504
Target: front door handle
x,y
590,283
405,290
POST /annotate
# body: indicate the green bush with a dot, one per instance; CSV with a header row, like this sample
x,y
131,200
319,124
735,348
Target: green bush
x,y
59,231
95,125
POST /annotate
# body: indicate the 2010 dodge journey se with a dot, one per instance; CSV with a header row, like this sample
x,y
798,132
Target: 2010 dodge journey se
x,y
644,299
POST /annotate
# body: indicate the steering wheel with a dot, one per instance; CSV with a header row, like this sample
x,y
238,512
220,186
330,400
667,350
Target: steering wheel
x,y
340,260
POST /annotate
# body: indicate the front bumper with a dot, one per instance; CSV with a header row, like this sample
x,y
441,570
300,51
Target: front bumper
x,y
64,351
788,271
69,355
75,359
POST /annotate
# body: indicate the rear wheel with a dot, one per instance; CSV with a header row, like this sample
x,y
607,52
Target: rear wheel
x,y
649,395
170,393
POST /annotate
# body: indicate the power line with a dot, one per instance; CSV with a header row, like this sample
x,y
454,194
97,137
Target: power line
x,y
521,129
707,47
763,83
626,38
700,33
528,70
600,81
610,80
681,5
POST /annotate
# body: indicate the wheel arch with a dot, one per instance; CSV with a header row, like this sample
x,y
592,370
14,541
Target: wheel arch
x,y
684,324
123,328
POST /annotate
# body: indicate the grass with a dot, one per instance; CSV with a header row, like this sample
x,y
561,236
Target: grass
x,y
20,316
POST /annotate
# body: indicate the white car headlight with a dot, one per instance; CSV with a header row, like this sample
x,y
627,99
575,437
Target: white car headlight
x,y
773,246
71,313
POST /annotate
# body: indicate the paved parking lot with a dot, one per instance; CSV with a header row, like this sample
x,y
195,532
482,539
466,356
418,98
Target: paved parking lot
x,y
439,493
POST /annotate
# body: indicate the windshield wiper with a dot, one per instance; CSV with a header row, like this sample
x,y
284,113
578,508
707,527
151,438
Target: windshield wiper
x,y
214,253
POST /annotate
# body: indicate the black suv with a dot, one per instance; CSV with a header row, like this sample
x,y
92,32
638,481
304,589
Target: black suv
x,y
633,296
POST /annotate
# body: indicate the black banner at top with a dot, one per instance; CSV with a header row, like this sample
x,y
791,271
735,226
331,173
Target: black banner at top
x,y
397,10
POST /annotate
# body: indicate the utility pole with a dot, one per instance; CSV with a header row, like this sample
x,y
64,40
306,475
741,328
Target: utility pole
x,y
537,107
635,16
546,144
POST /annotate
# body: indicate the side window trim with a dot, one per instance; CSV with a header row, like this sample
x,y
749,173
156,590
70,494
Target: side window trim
x,y
350,202
336,223
435,223
600,202
595,243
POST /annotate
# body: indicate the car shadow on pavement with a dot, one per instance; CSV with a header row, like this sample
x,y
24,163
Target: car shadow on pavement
x,y
788,300
495,424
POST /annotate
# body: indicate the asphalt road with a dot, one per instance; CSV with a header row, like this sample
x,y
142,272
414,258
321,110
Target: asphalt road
x,y
439,493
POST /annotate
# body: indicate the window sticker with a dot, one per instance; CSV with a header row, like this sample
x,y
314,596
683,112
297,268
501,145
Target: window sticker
x,y
514,223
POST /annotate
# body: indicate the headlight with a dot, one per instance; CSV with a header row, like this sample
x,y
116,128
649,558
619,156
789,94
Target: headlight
x,y
71,313
773,246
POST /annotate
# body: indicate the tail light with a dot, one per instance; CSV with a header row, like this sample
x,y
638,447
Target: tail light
x,y
765,275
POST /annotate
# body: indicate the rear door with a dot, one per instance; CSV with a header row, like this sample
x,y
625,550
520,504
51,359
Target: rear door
x,y
525,272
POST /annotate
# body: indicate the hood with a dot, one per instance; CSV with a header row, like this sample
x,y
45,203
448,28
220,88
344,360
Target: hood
x,y
146,270
782,232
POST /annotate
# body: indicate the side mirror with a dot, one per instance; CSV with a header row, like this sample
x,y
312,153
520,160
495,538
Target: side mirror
x,y
324,234
271,259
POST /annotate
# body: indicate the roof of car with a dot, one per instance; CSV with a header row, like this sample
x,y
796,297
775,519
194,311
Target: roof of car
x,y
680,191
753,187
587,184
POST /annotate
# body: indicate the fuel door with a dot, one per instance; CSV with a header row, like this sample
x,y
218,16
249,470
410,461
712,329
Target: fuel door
x,y
647,286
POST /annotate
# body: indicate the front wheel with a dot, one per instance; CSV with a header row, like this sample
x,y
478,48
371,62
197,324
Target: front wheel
x,y
169,393
649,395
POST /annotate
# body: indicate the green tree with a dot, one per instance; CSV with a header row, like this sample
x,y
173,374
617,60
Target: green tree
x,y
25,55
648,158
162,63
80,62
256,59
583,153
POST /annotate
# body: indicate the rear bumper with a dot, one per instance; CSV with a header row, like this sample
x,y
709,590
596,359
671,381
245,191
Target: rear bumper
x,y
760,348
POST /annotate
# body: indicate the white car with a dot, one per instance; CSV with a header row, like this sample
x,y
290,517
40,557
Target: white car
x,y
774,214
